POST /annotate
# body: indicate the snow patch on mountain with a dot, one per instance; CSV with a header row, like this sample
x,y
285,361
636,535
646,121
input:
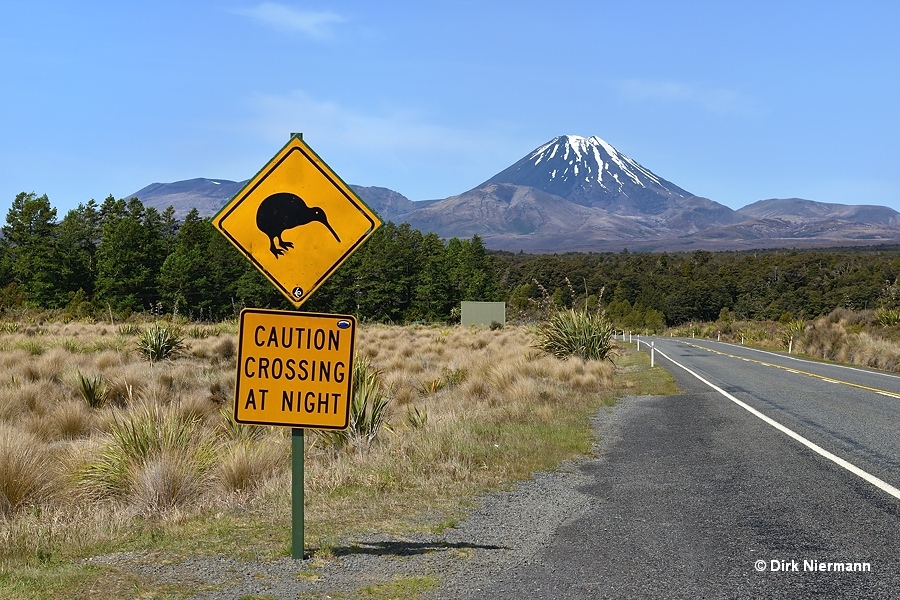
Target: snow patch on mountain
x,y
591,172
594,156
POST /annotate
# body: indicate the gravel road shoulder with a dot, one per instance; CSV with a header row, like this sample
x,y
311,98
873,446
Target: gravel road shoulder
x,y
504,530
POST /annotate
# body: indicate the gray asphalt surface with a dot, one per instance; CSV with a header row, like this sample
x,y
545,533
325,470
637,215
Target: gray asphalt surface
x,y
834,406
694,497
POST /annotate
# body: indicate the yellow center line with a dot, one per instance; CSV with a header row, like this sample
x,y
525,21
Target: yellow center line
x,y
792,370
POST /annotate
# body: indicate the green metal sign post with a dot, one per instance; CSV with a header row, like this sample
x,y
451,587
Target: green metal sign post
x,y
297,484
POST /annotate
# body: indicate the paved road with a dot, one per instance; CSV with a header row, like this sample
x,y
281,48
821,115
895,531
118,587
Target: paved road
x,y
850,412
697,496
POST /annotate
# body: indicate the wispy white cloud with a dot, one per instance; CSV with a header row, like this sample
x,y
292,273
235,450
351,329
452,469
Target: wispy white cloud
x,y
315,24
392,130
406,148
715,100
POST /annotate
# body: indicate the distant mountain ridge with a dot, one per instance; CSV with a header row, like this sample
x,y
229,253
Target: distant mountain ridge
x,y
206,195
581,194
799,210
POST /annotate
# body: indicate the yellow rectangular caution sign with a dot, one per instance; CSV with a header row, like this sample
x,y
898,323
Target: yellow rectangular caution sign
x,y
294,369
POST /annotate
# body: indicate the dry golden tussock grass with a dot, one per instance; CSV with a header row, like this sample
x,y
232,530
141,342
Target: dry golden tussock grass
x,y
851,337
876,352
70,420
468,408
26,471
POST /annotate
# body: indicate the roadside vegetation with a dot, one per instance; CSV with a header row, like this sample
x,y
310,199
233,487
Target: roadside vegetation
x,y
102,450
581,333
869,338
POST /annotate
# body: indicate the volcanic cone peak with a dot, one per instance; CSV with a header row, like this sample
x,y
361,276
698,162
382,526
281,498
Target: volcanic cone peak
x,y
591,172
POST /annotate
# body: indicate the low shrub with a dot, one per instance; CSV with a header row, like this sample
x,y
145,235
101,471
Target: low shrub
x,y
32,347
129,329
888,317
576,333
159,342
24,464
92,390
199,332
245,465
155,457
9,327
416,418
368,410
792,331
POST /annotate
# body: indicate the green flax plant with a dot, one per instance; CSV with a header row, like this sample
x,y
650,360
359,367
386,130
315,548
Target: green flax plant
x,y
579,333
92,389
159,342
368,409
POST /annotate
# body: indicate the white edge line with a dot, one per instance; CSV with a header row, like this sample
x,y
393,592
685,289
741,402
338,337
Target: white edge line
x,y
880,484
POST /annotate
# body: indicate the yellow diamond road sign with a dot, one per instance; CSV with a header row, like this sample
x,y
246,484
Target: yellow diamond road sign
x,y
294,369
297,221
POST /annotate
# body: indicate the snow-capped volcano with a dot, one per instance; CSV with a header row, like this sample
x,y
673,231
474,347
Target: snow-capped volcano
x,y
581,194
591,172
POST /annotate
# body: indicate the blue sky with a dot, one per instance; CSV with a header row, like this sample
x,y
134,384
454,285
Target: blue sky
x,y
734,101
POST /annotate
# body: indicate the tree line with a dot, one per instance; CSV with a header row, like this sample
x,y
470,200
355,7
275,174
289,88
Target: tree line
x,y
654,290
124,257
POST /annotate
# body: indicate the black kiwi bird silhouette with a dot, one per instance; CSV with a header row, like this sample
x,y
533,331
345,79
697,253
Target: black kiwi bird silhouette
x,y
283,211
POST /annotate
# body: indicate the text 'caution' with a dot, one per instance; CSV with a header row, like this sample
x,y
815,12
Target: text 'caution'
x,y
294,369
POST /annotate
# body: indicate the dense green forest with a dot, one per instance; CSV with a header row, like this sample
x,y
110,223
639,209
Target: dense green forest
x,y
123,257
650,290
